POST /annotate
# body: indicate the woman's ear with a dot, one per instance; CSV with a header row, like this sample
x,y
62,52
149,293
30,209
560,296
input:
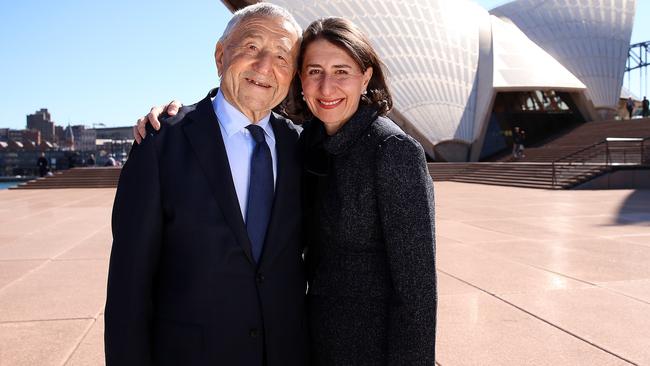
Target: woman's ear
x,y
367,75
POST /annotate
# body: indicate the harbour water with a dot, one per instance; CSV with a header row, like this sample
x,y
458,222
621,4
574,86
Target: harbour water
x,y
5,185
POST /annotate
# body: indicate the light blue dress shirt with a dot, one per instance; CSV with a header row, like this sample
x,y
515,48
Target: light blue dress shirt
x,y
239,145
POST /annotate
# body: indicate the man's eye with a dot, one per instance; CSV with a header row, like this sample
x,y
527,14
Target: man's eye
x,y
252,47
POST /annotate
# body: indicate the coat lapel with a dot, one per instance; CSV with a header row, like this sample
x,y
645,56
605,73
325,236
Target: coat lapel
x,y
206,140
284,149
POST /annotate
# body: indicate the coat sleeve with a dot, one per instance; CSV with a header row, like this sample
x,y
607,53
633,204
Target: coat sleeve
x,y
137,226
406,208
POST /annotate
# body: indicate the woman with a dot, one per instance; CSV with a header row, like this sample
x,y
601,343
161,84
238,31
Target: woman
x,y
368,209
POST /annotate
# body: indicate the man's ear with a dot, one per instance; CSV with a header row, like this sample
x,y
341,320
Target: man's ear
x,y
218,58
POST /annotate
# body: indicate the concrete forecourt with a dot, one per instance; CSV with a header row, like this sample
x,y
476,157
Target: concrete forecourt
x,y
525,276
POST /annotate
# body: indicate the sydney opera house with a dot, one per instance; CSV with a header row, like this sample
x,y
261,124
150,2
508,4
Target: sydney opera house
x,y
463,76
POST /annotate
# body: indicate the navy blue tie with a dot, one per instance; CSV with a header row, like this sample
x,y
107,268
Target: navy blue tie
x,y
260,192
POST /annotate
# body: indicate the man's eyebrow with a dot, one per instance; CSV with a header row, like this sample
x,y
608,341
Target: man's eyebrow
x,y
249,35
283,48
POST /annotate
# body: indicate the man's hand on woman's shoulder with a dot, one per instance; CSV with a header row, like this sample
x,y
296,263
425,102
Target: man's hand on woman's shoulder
x,y
140,129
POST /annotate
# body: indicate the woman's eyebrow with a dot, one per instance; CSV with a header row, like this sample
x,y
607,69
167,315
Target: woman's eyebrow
x,y
342,66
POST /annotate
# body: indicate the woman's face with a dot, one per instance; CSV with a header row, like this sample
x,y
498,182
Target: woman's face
x,y
332,83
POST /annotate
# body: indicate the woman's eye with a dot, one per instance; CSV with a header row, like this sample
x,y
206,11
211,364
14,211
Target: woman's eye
x,y
252,47
314,72
341,72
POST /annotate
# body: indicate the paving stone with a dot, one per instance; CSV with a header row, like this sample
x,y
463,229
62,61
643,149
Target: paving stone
x,y
42,343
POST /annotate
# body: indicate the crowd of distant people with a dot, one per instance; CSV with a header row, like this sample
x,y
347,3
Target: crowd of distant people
x,y
74,160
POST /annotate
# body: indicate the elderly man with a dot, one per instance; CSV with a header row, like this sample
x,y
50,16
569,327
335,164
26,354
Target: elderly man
x,y
206,265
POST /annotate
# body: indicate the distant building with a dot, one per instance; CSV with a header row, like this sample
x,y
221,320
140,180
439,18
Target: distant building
x,y
22,136
59,134
80,138
19,149
115,141
68,141
42,121
115,133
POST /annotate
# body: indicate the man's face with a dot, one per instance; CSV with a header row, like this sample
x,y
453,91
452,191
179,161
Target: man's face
x,y
256,64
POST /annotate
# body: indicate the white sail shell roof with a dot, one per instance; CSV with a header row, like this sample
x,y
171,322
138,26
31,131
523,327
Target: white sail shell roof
x,y
446,59
590,38
520,64
430,50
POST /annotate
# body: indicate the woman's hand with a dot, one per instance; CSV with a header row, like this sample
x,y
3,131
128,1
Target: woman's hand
x,y
140,129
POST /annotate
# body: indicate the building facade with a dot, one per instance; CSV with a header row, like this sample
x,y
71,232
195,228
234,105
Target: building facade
x,y
462,77
41,121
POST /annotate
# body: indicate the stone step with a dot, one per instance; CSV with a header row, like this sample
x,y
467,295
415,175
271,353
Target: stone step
x,y
100,177
531,175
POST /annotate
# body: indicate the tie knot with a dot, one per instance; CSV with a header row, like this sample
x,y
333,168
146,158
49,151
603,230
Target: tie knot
x,y
257,132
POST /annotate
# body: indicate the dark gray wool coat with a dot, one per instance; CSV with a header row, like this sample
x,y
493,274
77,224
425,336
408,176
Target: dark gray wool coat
x,y
371,245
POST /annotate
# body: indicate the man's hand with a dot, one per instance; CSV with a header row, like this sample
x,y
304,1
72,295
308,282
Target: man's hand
x,y
140,129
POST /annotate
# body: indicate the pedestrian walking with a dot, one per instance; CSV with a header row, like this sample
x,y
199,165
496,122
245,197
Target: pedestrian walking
x,y
630,106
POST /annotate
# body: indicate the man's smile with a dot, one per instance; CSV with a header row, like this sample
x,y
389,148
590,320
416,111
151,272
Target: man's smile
x,y
258,83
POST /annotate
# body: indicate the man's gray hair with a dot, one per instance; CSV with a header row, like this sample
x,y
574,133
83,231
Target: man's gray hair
x,y
262,10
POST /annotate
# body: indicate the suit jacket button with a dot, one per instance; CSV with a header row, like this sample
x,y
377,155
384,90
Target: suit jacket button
x,y
254,332
260,278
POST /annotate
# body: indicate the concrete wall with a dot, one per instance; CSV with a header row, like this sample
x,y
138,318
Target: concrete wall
x,y
620,179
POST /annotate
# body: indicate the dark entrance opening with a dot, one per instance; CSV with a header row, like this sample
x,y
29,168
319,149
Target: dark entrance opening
x,y
541,114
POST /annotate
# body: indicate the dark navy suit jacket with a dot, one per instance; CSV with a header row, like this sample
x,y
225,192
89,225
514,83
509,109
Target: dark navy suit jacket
x,y
183,288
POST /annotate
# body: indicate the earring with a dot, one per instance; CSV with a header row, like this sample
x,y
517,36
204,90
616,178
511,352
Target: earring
x,y
303,95
364,92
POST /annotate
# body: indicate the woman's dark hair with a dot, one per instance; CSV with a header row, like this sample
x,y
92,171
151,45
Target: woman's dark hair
x,y
344,34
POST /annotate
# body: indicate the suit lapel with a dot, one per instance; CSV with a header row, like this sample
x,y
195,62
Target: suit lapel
x,y
206,140
284,151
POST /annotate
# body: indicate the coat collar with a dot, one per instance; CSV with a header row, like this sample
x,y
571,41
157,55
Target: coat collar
x,y
284,150
350,132
232,120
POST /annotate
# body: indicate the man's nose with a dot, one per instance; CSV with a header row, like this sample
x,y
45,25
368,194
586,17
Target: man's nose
x,y
264,63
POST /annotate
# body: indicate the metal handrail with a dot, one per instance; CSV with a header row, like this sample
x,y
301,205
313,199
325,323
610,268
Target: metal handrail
x,y
555,162
627,150
596,151
579,151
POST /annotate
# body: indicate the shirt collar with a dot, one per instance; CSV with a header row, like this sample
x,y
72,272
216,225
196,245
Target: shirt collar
x,y
233,121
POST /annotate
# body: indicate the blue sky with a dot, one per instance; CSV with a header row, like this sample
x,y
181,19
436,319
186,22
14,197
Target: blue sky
x,y
107,62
